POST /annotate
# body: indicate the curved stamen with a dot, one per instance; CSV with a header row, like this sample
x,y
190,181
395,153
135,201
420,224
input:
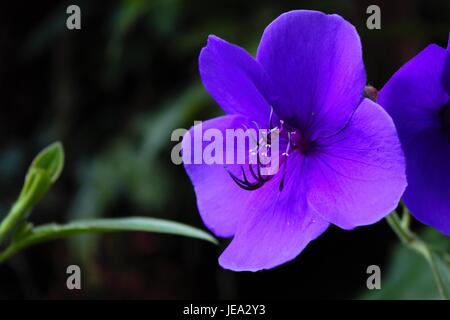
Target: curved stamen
x,y
288,147
281,186
258,177
254,175
271,119
286,154
244,183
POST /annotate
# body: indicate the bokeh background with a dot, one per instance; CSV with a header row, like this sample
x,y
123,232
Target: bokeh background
x,y
113,92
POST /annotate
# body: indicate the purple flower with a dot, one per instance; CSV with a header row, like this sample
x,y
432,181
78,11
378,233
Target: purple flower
x,y
341,160
417,98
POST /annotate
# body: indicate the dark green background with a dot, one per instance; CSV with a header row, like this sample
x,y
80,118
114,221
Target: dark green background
x,y
113,92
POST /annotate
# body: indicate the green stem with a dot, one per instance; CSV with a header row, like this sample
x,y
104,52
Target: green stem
x,y
7,253
49,232
34,188
15,215
406,219
406,236
411,240
437,275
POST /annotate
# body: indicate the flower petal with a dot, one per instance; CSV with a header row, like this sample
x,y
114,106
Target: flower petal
x,y
428,171
219,199
415,94
234,79
317,61
358,175
277,225
414,97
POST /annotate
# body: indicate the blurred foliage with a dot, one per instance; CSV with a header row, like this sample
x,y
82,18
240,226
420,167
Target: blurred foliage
x,y
409,275
130,167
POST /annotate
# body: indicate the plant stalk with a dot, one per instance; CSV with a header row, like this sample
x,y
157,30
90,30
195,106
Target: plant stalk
x,y
412,241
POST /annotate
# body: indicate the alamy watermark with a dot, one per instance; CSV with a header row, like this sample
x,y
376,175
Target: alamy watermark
x,y
73,21
374,20
73,281
374,280
239,146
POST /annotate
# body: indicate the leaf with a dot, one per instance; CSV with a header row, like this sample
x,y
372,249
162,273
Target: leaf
x,y
56,231
145,224
50,160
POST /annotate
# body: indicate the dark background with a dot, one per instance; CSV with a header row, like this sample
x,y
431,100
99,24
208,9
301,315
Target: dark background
x,y
113,92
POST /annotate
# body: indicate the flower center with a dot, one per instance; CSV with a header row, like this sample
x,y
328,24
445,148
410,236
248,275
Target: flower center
x,y
291,140
298,142
445,116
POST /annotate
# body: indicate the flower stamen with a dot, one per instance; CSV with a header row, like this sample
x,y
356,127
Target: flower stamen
x,y
259,178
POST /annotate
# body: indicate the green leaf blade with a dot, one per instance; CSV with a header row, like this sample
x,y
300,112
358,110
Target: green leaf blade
x,y
143,224
50,232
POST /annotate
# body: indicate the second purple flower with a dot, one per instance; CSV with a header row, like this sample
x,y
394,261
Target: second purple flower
x,y
418,99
